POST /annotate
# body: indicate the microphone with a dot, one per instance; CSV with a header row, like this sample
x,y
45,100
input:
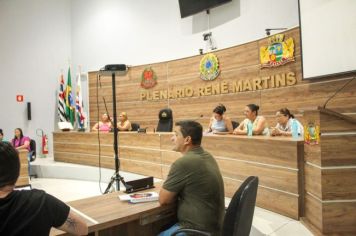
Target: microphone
x,y
99,81
337,91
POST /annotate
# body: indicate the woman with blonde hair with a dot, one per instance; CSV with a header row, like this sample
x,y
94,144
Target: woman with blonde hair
x,y
124,124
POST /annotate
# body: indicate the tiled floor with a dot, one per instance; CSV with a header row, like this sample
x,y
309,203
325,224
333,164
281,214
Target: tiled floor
x,y
264,222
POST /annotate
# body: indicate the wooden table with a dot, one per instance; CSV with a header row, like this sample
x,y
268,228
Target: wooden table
x,y
107,215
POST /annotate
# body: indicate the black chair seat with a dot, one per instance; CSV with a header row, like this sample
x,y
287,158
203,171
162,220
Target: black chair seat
x,y
33,150
239,214
165,123
135,126
235,124
32,157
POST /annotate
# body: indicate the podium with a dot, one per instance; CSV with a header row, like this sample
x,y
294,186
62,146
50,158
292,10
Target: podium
x,y
23,179
330,173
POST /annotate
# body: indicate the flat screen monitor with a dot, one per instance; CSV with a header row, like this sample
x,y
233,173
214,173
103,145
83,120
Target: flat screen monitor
x,y
328,37
191,7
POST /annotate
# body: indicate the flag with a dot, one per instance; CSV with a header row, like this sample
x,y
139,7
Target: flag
x,y
79,104
69,100
61,103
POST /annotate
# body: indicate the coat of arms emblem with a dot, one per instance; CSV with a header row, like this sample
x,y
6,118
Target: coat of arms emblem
x,y
278,52
148,78
209,67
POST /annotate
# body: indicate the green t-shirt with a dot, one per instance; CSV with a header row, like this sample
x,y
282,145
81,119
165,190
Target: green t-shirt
x,y
197,180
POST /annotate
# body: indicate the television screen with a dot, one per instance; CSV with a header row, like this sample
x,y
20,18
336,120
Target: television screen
x,y
328,33
191,7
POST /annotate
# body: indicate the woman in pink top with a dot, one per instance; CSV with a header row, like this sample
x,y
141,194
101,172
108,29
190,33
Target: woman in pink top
x,y
103,125
20,141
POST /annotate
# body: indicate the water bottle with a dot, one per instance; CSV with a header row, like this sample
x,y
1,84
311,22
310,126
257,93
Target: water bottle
x,y
249,128
294,129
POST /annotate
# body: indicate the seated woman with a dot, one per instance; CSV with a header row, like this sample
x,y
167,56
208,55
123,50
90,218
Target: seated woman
x,y
220,123
104,124
284,124
124,124
258,122
20,141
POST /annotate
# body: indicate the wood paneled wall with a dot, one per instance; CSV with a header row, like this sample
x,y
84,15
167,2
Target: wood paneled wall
x,y
280,169
236,63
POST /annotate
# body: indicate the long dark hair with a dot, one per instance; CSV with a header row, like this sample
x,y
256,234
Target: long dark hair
x,y
21,135
220,109
253,108
286,112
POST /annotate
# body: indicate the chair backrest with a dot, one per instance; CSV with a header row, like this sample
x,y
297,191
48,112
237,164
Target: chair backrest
x,y
135,126
239,214
235,124
165,123
33,149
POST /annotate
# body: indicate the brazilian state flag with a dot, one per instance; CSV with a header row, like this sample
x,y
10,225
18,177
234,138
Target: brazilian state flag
x,y
70,107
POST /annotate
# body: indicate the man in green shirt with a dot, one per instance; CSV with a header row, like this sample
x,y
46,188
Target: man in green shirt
x,y
195,182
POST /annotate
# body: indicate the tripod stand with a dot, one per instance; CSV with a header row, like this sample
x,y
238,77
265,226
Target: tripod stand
x,y
116,177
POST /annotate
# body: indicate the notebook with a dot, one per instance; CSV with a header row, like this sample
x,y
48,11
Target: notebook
x,y
139,197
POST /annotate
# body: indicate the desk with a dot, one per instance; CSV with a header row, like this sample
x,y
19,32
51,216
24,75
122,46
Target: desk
x,y
277,161
107,215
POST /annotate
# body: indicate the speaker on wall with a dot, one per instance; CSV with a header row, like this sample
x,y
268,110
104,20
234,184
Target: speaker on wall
x,y
28,111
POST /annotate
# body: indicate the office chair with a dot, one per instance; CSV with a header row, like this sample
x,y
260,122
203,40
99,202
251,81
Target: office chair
x,y
235,124
239,214
135,126
32,157
165,123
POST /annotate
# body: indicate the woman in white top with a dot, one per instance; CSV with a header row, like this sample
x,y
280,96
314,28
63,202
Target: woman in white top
x,y
219,122
258,122
284,124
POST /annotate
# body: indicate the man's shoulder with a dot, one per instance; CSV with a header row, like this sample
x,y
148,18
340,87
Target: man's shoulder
x,y
194,155
33,193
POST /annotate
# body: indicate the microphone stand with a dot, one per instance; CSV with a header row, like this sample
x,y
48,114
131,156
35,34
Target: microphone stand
x,y
116,143
324,106
117,178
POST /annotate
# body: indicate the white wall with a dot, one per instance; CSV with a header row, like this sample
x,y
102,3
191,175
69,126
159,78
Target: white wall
x,y
142,32
34,46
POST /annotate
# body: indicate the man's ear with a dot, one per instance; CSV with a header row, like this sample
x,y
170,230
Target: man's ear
x,y
188,140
